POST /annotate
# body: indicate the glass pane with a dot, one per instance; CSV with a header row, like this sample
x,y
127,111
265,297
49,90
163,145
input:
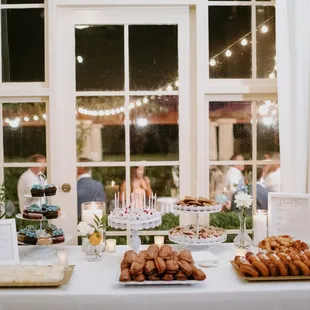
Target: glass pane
x,y
21,1
22,45
154,130
269,180
110,178
223,189
24,130
230,130
99,57
153,56
266,42
230,46
267,129
100,128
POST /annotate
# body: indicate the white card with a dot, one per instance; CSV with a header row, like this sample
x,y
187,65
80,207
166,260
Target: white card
x,y
8,243
289,214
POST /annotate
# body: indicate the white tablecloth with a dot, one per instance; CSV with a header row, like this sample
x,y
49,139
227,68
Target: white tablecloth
x,y
94,286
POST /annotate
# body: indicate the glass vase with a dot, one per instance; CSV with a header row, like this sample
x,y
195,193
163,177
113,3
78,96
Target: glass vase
x,y
242,241
92,252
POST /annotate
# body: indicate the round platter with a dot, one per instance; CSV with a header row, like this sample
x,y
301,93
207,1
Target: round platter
x,y
30,196
67,238
134,225
20,216
181,239
199,209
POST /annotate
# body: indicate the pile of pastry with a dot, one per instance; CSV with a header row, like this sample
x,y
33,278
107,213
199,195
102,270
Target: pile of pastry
x,y
274,265
283,243
204,232
159,264
200,201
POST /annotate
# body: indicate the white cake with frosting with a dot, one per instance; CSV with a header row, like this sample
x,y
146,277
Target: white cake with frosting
x,y
134,214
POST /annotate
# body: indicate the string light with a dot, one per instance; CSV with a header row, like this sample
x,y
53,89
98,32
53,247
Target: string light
x,y
177,83
36,118
228,53
145,100
212,62
44,116
272,75
80,59
244,42
138,103
264,29
26,119
169,88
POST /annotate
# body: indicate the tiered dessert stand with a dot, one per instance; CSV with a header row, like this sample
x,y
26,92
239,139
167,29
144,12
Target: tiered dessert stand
x,y
41,251
192,241
134,224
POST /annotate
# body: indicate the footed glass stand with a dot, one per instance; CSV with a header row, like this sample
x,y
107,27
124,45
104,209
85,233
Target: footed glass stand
x,y
135,241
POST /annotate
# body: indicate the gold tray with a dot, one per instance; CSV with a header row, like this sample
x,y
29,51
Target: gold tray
x,y
66,279
266,279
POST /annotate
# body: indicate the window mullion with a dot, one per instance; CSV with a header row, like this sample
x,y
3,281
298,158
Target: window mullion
x,y
254,153
1,147
254,43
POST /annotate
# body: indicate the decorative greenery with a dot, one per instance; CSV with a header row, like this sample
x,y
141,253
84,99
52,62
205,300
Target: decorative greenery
x,y
2,201
82,132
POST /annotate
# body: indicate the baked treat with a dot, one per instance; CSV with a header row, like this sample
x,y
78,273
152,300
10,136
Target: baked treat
x,y
50,190
33,212
160,265
142,254
165,252
150,267
130,256
167,277
152,251
58,236
45,239
30,237
200,201
124,265
51,212
125,276
137,267
154,277
198,274
181,276
175,256
37,190
50,228
187,256
139,278
186,267
172,267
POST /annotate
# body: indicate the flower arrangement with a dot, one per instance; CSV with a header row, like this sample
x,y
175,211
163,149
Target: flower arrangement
x,y
93,233
2,202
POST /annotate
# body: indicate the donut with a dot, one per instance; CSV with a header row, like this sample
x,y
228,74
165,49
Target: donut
x,y
248,270
281,267
261,267
293,255
304,258
273,270
303,267
307,252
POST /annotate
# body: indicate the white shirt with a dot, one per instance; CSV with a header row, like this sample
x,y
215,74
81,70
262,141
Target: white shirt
x,y
84,175
25,182
273,181
232,178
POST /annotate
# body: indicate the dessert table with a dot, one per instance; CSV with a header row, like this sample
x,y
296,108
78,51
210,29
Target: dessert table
x,y
94,285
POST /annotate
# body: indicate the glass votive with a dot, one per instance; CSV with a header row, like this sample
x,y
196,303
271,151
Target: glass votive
x,y
62,257
259,226
92,208
111,245
159,240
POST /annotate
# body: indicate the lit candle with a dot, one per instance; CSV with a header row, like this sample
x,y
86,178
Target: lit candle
x,y
91,210
260,226
240,252
111,245
159,240
144,198
62,257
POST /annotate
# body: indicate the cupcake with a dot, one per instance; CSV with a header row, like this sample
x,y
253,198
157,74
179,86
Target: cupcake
x,y
45,239
33,212
50,228
30,237
50,190
58,236
21,235
37,191
51,212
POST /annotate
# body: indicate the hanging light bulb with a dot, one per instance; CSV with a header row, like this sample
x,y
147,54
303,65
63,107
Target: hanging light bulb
x,y
272,76
228,53
138,103
169,88
275,67
145,100
212,62
244,42
80,59
36,118
26,119
177,83
264,29
44,116
7,120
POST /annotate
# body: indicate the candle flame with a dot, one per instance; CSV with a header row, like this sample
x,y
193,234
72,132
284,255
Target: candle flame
x,y
112,183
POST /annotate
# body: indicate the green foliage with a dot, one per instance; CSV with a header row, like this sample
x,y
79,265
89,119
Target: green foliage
x,y
2,201
82,132
228,220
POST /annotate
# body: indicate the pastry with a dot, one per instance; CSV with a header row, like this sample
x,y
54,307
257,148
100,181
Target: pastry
x,y
167,277
37,190
152,251
204,232
198,274
33,212
130,256
175,256
160,265
273,270
58,236
139,278
142,254
187,256
283,271
45,239
181,276
50,190
154,277
303,267
124,265
185,267
165,252
51,212
172,267
256,263
193,201
150,267
50,228
125,276
137,267
21,236
30,237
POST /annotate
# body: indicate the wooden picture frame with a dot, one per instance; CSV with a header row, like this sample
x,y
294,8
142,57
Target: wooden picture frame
x,y
9,254
289,214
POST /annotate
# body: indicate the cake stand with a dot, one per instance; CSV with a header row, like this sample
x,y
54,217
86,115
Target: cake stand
x,y
134,227
192,241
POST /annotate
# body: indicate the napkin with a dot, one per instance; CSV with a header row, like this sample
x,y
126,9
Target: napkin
x,y
205,259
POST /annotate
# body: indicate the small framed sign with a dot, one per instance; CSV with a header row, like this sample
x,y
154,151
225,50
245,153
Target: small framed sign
x,y
289,214
8,243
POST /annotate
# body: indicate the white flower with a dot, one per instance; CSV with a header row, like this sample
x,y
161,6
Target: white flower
x,y
243,200
84,229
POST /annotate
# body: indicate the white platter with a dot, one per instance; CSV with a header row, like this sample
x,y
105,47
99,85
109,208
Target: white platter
x,y
146,283
181,239
134,225
199,209
30,196
20,216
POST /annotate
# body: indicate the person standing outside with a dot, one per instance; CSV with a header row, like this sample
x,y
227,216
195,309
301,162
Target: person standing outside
x,y
28,179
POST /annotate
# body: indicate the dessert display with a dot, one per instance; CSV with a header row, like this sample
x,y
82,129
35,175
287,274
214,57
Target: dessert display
x,y
283,243
134,214
50,211
58,236
159,264
35,212
27,235
200,201
189,232
37,190
50,190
